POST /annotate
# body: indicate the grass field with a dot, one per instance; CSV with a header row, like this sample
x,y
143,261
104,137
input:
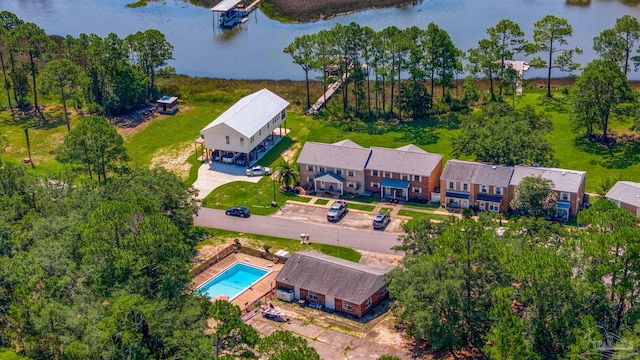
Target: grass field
x,y
362,207
415,215
321,201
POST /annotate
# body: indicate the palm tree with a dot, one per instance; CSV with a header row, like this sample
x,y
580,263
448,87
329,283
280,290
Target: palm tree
x,y
286,173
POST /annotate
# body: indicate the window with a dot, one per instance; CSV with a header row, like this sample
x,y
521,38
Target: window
x,y
267,125
494,207
451,185
404,177
417,190
252,139
283,114
309,179
383,290
346,305
309,167
351,173
465,187
338,171
322,169
241,141
484,189
368,303
351,184
374,172
375,185
311,295
260,132
417,178
497,190
388,175
564,196
226,139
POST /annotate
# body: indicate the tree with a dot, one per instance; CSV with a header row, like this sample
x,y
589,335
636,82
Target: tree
x,y
64,77
598,93
8,23
286,173
38,46
535,196
508,40
283,345
96,146
301,50
549,34
151,51
419,236
499,134
485,59
617,44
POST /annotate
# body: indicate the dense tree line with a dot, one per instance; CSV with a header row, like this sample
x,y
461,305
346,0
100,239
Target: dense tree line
x,y
536,292
109,75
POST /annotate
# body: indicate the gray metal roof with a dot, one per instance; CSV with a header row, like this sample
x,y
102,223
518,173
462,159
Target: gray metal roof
x,y
625,192
334,156
331,276
409,159
251,113
563,180
225,5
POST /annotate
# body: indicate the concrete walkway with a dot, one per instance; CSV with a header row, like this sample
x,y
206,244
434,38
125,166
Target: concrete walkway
x,y
211,176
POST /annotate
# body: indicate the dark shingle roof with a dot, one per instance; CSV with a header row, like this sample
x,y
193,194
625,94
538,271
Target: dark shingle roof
x,y
331,276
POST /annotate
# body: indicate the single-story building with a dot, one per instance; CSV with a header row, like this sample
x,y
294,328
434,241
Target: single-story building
x,y
248,126
167,105
332,283
626,194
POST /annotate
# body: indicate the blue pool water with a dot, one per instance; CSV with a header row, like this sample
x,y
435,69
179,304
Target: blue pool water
x,y
232,281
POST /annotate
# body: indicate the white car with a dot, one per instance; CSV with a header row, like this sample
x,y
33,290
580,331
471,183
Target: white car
x,y
258,171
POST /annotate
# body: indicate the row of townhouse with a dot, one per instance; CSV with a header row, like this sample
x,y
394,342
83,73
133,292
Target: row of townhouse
x,y
492,187
410,173
406,173
626,194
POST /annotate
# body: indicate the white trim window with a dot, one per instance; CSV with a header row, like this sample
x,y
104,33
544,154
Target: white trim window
x,y
339,172
351,184
564,196
451,185
309,167
416,190
374,172
226,139
494,207
346,305
351,173
241,141
484,189
309,179
465,187
497,190
322,169
417,178
312,295
283,114
375,185
404,177
387,175
367,304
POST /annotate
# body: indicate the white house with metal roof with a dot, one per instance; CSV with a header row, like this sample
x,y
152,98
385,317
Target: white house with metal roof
x,y
626,194
248,125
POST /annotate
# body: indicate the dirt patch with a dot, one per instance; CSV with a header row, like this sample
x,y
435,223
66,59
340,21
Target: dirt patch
x,y
353,219
174,160
379,261
290,154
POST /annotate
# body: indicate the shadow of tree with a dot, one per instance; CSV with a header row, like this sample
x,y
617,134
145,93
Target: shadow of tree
x,y
34,120
618,155
417,135
558,104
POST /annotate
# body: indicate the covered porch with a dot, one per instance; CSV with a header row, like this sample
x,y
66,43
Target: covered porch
x,y
562,210
329,181
456,200
488,203
394,189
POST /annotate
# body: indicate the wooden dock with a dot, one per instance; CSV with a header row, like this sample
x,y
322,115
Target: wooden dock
x,y
327,94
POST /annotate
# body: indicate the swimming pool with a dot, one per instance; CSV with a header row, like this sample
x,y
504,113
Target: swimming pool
x,y
233,281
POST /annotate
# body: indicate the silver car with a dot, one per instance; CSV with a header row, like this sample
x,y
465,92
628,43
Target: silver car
x,y
258,171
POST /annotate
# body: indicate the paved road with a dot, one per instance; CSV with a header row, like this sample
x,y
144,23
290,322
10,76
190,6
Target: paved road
x,y
333,234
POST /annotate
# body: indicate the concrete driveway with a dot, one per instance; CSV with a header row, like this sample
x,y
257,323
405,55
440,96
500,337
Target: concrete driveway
x,y
211,176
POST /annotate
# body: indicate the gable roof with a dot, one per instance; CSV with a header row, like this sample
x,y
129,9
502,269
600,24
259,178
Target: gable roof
x,y
563,180
341,155
458,170
625,192
493,175
408,159
251,113
328,275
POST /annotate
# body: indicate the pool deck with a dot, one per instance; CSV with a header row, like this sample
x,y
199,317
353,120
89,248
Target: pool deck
x,y
257,290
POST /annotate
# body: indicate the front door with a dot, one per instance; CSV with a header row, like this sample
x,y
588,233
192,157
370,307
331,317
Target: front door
x,y
464,204
322,186
329,302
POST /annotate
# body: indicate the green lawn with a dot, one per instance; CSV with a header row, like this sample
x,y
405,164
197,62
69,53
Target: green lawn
x,y
415,215
321,201
363,207
275,243
385,210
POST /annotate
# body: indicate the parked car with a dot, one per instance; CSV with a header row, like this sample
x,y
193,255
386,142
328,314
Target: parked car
x,y
258,171
215,155
381,221
238,211
585,202
241,159
228,158
337,211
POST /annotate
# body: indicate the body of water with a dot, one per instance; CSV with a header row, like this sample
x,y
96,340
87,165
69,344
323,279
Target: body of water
x,y
254,50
